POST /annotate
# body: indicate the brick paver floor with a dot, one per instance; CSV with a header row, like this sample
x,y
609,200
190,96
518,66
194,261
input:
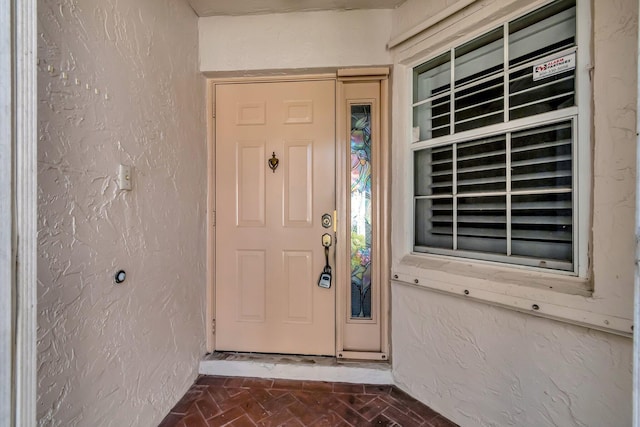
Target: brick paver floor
x,y
233,401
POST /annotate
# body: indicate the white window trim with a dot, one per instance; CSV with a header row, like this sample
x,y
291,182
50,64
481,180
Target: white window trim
x,y
6,220
636,308
582,145
542,293
18,224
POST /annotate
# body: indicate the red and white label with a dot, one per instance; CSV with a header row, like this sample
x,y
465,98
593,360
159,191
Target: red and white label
x,y
555,66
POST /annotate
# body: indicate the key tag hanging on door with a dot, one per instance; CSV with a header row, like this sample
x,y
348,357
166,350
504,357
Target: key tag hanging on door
x,y
325,277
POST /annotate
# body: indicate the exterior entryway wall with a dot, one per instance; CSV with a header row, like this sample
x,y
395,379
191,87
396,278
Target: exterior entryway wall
x,y
556,373
606,370
421,316
240,45
119,84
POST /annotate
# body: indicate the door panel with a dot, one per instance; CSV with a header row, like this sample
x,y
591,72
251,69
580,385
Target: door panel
x,y
250,283
268,223
299,111
298,271
250,170
298,185
250,113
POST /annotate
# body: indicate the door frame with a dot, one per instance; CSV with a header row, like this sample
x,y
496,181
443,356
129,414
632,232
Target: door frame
x,y
18,205
380,206
341,240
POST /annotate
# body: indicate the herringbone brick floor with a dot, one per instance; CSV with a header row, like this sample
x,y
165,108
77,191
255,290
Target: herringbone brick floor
x,y
239,402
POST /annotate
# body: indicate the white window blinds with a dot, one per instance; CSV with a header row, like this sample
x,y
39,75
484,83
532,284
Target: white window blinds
x,y
504,195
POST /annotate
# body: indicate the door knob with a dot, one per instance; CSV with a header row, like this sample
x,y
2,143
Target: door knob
x,y
326,240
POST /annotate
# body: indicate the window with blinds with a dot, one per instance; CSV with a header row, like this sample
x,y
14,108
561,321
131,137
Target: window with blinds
x,y
494,131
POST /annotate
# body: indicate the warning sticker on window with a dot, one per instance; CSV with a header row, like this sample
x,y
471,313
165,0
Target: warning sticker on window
x,y
555,66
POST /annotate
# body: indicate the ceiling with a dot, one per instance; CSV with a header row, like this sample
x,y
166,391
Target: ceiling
x,y
249,7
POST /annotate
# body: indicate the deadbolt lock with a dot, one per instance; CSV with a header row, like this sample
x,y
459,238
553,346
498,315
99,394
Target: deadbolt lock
x,y
327,220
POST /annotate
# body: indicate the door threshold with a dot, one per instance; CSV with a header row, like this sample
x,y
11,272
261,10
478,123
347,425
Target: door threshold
x,y
294,367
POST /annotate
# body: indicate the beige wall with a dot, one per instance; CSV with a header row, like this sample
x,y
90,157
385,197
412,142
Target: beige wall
x,y
485,365
415,12
295,40
481,365
107,352
119,355
614,169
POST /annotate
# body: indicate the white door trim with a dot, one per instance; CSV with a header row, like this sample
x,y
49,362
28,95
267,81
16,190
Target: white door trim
x,y
18,225
6,215
636,309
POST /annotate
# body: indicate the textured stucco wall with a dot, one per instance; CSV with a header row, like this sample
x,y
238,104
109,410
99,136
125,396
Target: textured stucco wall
x,y
615,85
295,40
488,366
414,12
124,88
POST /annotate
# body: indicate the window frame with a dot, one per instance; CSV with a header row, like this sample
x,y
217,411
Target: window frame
x,y
579,114
598,298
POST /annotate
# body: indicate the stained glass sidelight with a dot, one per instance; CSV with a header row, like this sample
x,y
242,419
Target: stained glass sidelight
x,y
361,233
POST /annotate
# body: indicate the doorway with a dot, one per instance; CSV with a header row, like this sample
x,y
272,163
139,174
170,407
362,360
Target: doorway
x,y
281,186
275,175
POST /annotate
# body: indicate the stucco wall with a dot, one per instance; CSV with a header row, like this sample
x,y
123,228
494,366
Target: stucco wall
x,y
124,88
295,40
614,117
489,366
414,12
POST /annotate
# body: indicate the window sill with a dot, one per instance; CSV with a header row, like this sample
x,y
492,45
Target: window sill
x,y
567,299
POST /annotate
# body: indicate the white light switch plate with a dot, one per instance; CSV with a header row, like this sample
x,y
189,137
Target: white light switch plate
x,y
124,177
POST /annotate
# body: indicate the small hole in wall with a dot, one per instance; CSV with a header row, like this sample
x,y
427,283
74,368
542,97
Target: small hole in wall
x,y
466,292
535,307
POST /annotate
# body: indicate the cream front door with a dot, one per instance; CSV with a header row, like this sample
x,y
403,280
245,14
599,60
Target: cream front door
x,y
269,229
